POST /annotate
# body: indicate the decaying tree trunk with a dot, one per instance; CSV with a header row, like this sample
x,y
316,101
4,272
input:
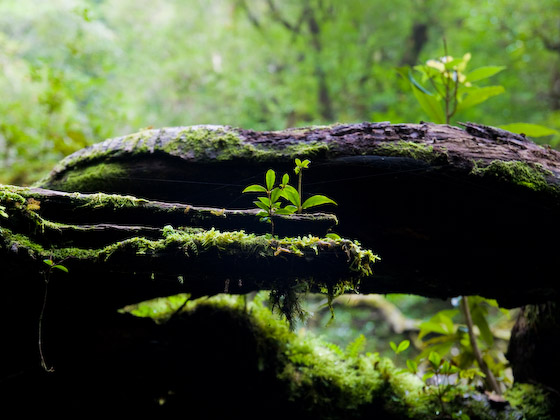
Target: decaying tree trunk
x,y
449,212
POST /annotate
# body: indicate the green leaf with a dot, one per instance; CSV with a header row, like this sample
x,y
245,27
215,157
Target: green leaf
x,y
412,366
479,319
531,130
266,201
393,346
49,262
254,188
292,195
2,212
427,375
317,200
479,95
270,179
285,179
333,236
60,267
483,73
430,105
286,210
435,359
275,194
403,346
261,206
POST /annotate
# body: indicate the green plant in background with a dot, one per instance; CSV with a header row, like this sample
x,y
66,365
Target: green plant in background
x,y
447,88
3,212
473,353
271,204
451,88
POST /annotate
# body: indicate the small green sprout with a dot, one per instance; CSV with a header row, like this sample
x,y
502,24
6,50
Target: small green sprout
x,y
2,212
271,204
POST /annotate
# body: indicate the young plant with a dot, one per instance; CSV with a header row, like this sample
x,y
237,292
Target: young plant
x,y
271,204
296,196
450,88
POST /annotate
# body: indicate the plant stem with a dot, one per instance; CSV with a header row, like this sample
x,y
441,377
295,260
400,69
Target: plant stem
x,y
300,209
490,379
43,362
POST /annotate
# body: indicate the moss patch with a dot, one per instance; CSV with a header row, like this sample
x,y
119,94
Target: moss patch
x,y
97,177
205,143
411,150
533,177
535,402
306,376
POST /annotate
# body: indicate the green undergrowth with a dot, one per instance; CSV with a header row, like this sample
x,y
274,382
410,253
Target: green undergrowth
x,y
318,378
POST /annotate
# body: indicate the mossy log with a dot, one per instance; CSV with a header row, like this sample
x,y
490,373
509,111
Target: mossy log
x,y
450,211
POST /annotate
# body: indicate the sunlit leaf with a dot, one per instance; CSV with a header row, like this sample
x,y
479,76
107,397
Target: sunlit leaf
x,y
292,195
60,267
270,179
479,95
275,195
435,359
317,200
403,345
430,104
531,130
412,366
254,188
483,73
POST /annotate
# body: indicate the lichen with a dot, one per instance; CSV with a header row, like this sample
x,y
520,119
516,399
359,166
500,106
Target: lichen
x,y
530,176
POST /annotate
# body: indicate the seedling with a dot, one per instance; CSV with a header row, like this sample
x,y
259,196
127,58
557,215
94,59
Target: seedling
x,y
271,204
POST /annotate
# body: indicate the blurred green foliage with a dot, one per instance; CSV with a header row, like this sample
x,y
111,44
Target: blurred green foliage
x,y
74,72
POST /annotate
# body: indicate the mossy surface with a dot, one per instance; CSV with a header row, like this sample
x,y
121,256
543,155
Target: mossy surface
x,y
534,401
533,177
88,178
310,377
411,150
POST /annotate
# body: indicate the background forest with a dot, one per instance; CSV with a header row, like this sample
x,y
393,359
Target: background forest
x,y
74,72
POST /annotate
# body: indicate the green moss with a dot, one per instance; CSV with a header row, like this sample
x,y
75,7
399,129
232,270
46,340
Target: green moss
x,y
112,201
89,178
533,177
533,401
206,143
317,378
409,149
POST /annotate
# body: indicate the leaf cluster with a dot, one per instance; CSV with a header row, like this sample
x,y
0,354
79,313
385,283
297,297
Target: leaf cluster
x,y
451,88
271,203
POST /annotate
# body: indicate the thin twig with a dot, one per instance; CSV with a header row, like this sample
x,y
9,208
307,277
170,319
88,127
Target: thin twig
x,y
490,379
